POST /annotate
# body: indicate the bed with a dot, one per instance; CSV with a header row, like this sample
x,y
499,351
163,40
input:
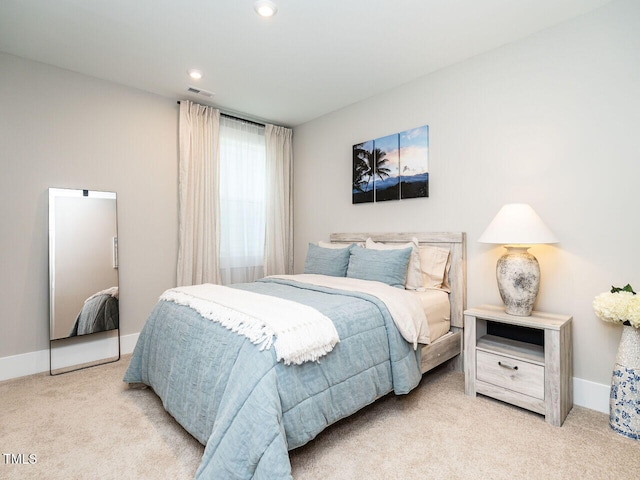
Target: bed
x,y
248,403
99,312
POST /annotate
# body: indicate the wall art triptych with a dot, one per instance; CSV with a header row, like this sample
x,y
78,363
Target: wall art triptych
x,y
392,168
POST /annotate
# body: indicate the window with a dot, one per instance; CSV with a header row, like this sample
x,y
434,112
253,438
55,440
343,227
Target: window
x,y
242,200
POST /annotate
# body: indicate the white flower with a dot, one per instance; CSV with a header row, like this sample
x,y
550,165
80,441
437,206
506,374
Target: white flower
x,y
618,307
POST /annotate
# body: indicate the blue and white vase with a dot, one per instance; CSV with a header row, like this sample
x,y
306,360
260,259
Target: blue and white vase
x,y
624,402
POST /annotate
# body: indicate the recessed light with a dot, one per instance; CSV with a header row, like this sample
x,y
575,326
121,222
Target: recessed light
x,y
195,74
265,8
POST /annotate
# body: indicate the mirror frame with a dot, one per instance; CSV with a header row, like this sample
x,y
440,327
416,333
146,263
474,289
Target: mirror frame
x,y
55,193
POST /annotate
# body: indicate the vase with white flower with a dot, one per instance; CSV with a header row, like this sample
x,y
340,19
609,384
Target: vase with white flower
x,y
622,305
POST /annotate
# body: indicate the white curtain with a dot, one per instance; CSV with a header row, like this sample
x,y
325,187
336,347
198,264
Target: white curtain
x,y
242,200
199,179
278,255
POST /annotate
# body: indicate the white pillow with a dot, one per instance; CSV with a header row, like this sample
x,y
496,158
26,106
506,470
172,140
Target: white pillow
x,y
434,264
414,273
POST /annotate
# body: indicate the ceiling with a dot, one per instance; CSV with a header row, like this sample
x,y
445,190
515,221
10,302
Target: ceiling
x,y
313,57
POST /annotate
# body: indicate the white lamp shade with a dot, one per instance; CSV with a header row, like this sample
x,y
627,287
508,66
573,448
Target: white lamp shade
x,y
517,224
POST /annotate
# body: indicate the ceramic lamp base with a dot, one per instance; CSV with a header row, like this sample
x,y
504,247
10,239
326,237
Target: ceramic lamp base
x,y
518,274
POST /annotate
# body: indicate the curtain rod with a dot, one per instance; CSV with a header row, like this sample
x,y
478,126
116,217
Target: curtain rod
x,y
238,118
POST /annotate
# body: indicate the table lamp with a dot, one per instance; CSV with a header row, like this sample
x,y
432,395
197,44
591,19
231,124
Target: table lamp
x,y
517,226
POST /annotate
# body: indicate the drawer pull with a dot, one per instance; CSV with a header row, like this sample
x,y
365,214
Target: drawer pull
x,y
510,367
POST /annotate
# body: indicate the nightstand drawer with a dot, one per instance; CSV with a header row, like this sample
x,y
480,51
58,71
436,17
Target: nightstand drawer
x,y
517,375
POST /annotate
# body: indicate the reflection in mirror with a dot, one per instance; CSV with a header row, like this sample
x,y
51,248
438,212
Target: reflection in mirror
x,y
83,262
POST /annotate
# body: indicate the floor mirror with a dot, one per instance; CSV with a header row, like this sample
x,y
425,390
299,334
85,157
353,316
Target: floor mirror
x,y
84,291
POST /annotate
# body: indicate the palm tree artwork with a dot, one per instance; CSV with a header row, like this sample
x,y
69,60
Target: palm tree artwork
x,y
386,162
363,177
392,167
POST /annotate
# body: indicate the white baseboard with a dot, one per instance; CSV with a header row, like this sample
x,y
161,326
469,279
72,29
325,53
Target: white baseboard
x,y
594,396
67,353
591,395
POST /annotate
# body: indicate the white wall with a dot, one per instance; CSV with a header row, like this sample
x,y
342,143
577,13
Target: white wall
x,y
62,129
553,121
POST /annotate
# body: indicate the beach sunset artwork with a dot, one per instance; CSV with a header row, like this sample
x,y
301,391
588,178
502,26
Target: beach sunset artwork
x,y
392,167
414,162
386,163
363,175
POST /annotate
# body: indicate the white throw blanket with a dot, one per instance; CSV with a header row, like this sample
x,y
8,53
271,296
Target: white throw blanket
x,y
301,333
405,307
113,291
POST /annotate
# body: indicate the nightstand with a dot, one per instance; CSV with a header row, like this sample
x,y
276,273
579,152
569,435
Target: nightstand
x,y
524,361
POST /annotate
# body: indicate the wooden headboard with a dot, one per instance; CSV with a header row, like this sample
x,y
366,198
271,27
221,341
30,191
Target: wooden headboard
x,y
455,241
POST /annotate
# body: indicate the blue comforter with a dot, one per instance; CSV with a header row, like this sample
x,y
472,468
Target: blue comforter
x,y
247,408
98,314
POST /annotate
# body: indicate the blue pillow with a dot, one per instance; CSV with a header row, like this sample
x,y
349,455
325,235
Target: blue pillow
x,y
327,261
386,266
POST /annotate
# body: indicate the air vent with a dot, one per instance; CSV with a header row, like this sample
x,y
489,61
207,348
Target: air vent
x,y
199,91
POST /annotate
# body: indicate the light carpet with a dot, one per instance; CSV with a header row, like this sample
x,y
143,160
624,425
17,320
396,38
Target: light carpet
x,y
90,425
